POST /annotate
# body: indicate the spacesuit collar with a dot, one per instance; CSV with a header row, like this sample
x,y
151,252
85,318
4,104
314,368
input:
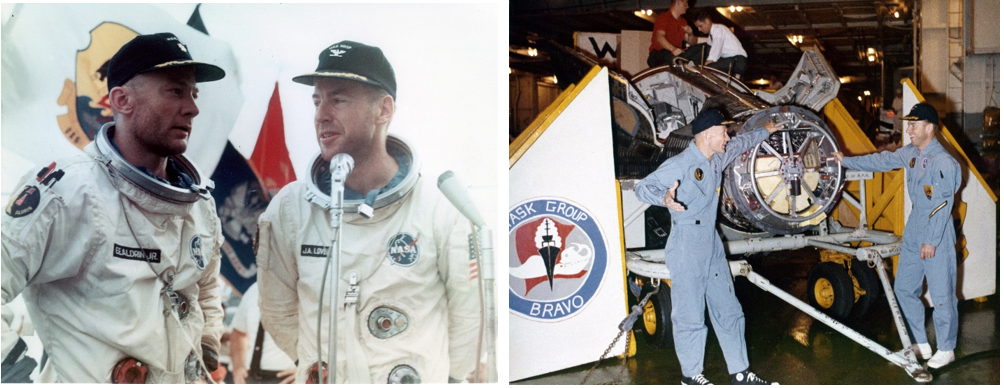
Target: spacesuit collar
x,y
319,180
143,185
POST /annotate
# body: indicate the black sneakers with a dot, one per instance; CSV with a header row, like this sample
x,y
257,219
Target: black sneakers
x,y
749,378
696,380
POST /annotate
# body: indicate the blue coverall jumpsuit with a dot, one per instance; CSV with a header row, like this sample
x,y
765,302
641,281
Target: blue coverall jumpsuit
x,y
933,176
695,254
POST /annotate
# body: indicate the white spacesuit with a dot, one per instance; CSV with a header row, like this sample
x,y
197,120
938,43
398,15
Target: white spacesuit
x,y
408,296
113,265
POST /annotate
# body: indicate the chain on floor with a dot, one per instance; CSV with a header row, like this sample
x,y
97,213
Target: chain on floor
x,y
625,326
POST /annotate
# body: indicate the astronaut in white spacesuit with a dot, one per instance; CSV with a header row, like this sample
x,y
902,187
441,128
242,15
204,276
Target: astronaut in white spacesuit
x,y
408,307
117,251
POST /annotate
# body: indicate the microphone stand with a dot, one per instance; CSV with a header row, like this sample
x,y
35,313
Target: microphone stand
x,y
486,260
480,241
337,210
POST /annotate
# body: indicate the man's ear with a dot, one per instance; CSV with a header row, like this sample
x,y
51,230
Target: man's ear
x,y
121,100
386,109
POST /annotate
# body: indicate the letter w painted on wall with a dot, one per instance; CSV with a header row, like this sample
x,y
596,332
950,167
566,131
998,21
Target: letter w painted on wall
x,y
602,53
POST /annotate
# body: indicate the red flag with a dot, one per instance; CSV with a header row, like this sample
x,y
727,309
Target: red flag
x,y
270,159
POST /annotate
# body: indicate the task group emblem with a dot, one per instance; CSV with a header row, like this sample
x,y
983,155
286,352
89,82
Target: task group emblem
x,y
86,98
557,259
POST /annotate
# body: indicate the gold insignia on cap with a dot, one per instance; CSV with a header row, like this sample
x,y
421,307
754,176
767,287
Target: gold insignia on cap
x,y
339,74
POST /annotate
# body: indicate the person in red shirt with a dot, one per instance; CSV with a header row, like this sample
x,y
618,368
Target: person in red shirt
x,y
671,30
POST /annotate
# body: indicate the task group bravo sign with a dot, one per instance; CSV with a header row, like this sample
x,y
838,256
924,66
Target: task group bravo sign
x,y
557,258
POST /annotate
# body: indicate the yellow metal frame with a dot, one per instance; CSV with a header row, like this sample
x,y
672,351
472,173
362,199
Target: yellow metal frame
x,y
884,201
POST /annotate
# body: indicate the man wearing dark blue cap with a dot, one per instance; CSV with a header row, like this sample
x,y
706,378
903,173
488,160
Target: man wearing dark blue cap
x,y
928,250
689,185
117,251
410,311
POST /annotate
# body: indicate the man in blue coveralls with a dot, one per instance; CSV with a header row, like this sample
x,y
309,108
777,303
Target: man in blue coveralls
x,y
933,176
689,185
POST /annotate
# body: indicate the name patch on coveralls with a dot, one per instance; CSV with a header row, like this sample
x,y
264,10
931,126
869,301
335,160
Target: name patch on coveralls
x,y
314,250
151,255
557,259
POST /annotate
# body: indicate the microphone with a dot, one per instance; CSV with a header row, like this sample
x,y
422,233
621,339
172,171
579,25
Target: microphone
x,y
458,196
341,166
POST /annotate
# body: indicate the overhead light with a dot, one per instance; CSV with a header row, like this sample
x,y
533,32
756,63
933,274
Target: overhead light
x,y
761,81
871,51
732,8
896,14
554,79
739,8
845,79
871,58
860,99
867,93
648,12
532,52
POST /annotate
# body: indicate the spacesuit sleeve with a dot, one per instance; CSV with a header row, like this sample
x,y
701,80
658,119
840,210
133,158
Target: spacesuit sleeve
x,y
652,189
209,290
23,246
877,162
742,143
462,297
277,277
946,181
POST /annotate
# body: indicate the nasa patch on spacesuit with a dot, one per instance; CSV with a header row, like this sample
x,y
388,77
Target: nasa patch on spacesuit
x,y
402,249
197,257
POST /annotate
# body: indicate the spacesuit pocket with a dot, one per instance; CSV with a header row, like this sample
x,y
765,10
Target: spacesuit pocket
x,y
262,245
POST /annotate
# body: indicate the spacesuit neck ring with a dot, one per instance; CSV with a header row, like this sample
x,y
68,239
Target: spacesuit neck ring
x,y
395,146
200,189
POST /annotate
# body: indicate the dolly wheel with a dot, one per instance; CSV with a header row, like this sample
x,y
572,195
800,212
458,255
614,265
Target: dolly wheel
x,y
868,281
831,290
657,326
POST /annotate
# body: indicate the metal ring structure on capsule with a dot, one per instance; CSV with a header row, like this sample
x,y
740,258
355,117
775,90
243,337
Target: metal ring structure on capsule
x,y
200,189
395,146
779,186
787,183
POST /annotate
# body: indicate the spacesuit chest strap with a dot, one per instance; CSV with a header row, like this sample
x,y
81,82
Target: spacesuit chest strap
x,y
358,367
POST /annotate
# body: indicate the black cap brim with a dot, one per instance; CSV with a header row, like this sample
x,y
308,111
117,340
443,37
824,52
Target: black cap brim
x,y
204,72
308,79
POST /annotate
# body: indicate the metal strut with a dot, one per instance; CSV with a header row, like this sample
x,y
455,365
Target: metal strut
x,y
904,358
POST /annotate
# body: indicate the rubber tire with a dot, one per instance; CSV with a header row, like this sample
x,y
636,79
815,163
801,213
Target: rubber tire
x,y
869,281
658,311
840,284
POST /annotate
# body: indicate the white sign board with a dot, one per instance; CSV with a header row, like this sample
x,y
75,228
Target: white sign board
x,y
566,271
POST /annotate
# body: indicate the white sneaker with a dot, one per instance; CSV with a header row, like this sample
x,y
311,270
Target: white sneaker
x,y
941,358
922,350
